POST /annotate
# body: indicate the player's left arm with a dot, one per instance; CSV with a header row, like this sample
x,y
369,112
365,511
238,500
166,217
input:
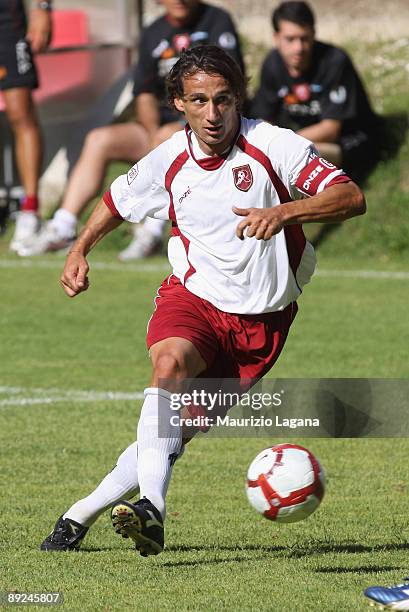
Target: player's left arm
x,y
335,204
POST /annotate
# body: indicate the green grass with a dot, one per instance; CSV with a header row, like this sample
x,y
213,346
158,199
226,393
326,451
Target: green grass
x,y
219,554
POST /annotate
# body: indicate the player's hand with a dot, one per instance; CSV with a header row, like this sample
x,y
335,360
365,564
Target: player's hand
x,y
261,223
39,29
74,278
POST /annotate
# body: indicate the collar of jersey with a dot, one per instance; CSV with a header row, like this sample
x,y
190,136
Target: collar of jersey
x,y
212,162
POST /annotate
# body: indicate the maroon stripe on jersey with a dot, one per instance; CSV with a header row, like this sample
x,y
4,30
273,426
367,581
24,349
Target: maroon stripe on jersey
x,y
294,235
341,178
315,173
107,197
174,168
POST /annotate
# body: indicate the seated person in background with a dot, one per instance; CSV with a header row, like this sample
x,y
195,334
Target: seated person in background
x,y
187,23
313,88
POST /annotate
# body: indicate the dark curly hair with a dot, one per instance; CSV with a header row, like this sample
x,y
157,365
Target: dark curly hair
x,y
211,60
296,12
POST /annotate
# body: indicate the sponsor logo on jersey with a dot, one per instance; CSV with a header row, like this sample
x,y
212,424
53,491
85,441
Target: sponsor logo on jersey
x,y
166,65
282,92
316,87
184,195
157,52
314,173
339,95
243,177
313,153
227,40
302,91
167,53
132,174
181,41
197,36
327,164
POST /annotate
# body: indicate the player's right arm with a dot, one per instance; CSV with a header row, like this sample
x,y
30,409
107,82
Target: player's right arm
x,y
74,278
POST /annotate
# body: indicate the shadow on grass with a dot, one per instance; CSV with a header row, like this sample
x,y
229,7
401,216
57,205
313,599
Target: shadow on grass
x,y
358,570
246,552
391,136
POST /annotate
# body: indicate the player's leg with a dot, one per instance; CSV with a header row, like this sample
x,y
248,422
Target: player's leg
x,y
160,442
148,237
119,142
182,344
22,117
72,526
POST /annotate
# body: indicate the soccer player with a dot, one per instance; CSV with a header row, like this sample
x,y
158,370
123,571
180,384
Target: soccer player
x,y
313,88
390,598
235,191
17,79
186,23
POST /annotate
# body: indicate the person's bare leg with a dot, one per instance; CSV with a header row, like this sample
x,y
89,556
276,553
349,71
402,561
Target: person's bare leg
x,y
120,142
147,238
22,116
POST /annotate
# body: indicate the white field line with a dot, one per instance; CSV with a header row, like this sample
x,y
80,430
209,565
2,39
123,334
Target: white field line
x,y
21,396
164,267
97,265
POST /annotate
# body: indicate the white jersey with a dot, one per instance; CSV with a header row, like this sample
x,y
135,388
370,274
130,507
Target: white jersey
x,y
265,166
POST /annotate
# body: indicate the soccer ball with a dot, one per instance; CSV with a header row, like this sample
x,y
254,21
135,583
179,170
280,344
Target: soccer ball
x,y
285,483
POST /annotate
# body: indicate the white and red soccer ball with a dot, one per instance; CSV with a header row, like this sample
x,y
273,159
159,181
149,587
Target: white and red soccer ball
x,y
285,483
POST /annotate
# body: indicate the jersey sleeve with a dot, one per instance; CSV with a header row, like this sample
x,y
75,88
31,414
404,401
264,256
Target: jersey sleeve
x,y
301,169
265,104
340,97
139,193
224,34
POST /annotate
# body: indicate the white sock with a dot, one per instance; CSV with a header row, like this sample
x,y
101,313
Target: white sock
x,y
121,482
156,455
155,227
65,222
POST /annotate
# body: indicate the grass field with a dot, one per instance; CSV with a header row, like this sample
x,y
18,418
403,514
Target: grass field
x,y
58,442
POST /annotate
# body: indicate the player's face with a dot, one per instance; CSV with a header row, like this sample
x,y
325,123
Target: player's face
x,y
180,10
295,43
209,106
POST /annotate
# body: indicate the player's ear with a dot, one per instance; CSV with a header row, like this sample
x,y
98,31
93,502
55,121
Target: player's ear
x,y
179,105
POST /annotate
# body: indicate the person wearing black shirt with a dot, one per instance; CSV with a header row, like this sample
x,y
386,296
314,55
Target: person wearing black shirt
x,y
186,23
18,42
313,88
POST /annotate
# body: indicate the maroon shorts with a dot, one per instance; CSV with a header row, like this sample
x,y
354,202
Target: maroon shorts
x,y
233,345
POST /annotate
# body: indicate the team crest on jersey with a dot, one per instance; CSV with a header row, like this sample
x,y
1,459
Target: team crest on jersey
x,y
302,92
132,174
181,41
243,177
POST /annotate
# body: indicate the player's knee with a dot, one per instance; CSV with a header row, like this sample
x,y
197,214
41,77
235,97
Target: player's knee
x,y
99,140
21,118
170,366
